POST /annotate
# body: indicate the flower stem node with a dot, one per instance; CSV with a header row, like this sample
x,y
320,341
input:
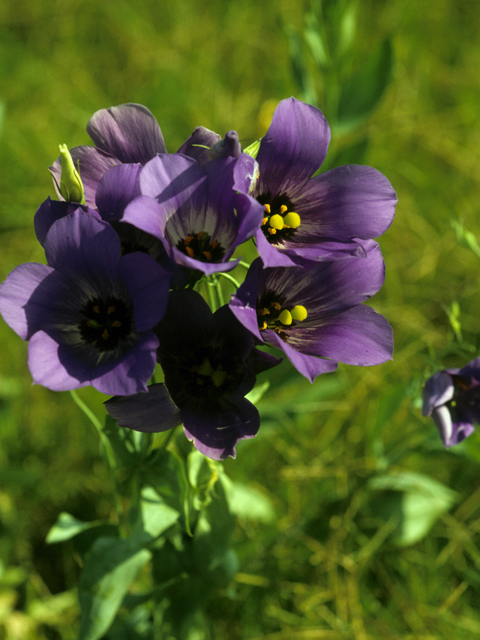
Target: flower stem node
x,y
71,186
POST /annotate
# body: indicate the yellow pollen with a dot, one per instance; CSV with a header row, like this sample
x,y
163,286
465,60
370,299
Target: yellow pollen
x,y
188,240
272,232
292,220
207,255
214,244
276,222
285,317
117,323
264,312
200,234
263,327
96,309
264,221
276,305
190,252
299,312
218,377
110,310
283,209
105,335
267,208
205,369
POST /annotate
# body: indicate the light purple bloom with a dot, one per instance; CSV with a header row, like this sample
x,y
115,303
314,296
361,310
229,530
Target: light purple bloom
x,y
89,313
126,134
201,214
319,218
210,363
452,398
317,314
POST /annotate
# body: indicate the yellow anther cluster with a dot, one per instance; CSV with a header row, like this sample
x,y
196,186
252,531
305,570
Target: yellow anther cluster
x,y
283,220
285,316
217,375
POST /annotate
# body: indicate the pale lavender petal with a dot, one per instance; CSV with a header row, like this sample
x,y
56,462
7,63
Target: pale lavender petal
x,y
22,314
438,390
146,214
117,188
270,256
150,412
351,201
129,132
293,148
92,164
451,432
46,367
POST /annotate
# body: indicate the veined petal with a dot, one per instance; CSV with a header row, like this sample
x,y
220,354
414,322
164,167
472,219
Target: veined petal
x,y
438,390
46,367
129,132
199,143
117,188
293,148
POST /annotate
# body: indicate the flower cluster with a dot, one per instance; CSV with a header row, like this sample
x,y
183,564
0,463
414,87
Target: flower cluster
x,y
138,234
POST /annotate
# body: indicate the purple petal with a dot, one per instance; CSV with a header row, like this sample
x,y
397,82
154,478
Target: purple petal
x,y
359,336
438,391
129,132
150,412
309,366
146,214
148,284
52,210
194,145
451,432
271,257
117,188
22,314
46,367
79,244
347,202
92,163
227,146
216,433
293,148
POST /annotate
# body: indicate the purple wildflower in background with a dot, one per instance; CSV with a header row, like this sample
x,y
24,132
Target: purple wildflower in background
x,y
126,134
210,363
88,315
317,313
201,214
452,398
319,218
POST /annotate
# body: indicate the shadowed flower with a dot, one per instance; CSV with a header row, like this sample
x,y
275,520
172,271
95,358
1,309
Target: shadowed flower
x,y
88,315
320,218
210,363
201,214
452,398
316,314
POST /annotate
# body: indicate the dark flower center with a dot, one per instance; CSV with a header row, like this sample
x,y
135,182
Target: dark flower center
x,y
273,314
201,247
280,221
105,323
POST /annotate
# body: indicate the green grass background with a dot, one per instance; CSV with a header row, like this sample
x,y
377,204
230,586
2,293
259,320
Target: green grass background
x,y
358,547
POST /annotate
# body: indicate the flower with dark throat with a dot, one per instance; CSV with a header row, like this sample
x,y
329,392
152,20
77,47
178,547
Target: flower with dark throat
x,y
125,134
201,214
452,398
210,363
317,313
314,218
89,313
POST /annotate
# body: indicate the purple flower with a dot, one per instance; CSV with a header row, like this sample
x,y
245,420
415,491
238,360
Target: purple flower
x,y
316,314
452,398
319,218
210,363
201,214
126,134
89,313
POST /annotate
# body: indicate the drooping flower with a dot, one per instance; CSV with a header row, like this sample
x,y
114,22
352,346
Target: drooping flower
x,y
89,313
452,398
317,313
210,364
201,214
126,134
320,218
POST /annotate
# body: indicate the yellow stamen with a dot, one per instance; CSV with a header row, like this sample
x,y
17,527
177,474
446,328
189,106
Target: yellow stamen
x,y
276,222
285,317
263,327
190,252
263,312
267,208
299,312
207,255
276,305
105,335
117,323
283,209
205,369
218,377
96,309
110,310
200,234
188,240
214,244
292,220
272,232
264,221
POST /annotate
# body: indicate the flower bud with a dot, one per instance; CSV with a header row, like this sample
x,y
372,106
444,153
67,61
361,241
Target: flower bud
x,y
71,186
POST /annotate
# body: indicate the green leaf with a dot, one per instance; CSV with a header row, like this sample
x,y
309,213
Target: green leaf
x,y
253,148
155,516
110,569
67,527
247,502
257,392
360,93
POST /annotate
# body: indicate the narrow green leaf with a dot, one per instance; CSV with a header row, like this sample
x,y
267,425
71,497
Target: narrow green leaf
x,y
110,569
67,527
253,148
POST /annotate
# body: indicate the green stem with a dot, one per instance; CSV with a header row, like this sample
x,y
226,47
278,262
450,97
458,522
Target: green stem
x,y
231,278
243,264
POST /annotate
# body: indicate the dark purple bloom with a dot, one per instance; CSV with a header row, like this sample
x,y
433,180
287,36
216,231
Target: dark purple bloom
x,y
201,214
126,134
319,218
452,398
316,314
210,363
89,313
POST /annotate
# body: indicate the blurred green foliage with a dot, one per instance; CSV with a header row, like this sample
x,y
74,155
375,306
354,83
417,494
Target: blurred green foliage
x,y
348,477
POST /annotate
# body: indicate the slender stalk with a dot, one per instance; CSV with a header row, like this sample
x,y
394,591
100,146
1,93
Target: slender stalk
x,y
230,278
